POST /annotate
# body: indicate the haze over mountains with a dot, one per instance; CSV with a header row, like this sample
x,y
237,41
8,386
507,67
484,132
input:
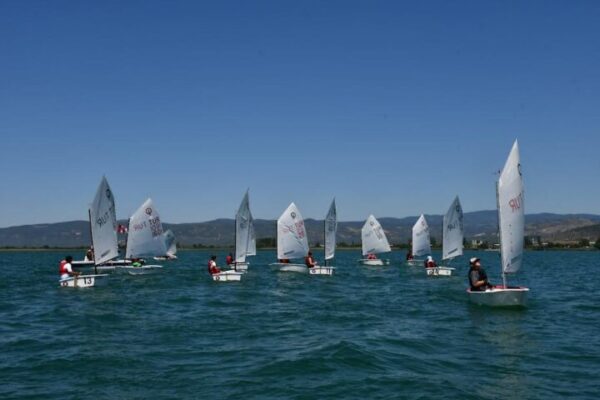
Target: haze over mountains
x,y
480,225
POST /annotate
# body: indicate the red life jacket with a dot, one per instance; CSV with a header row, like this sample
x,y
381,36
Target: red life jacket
x,y
229,260
61,267
213,270
430,264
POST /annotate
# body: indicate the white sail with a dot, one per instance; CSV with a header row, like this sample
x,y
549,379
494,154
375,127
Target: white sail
x,y
103,219
170,243
252,244
511,212
453,231
373,237
291,234
243,224
420,238
145,234
330,231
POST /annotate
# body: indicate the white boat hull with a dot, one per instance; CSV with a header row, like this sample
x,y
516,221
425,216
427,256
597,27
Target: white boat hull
x,y
162,258
84,281
287,267
142,270
415,263
321,270
500,297
227,276
242,267
440,271
374,262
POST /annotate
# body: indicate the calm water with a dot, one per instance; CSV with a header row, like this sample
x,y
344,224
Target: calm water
x,y
363,333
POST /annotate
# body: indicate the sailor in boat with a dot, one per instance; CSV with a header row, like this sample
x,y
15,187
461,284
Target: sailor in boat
x,y
430,262
229,259
409,256
89,255
137,262
478,279
212,266
65,269
371,256
309,260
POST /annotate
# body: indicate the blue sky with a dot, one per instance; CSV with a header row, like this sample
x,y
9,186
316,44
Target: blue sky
x,y
392,107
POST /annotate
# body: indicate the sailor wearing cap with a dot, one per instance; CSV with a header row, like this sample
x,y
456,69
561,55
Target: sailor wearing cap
x,y
430,263
477,277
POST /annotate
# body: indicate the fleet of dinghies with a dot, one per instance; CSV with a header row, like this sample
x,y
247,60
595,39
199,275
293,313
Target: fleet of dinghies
x,y
146,238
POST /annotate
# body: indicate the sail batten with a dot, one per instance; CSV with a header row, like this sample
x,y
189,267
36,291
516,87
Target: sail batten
x,y
330,231
103,220
292,241
511,212
421,244
373,237
453,231
145,236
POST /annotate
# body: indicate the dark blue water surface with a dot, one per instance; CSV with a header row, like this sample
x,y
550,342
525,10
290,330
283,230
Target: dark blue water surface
x,y
377,333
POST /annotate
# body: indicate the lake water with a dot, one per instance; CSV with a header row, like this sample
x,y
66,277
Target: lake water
x,y
366,332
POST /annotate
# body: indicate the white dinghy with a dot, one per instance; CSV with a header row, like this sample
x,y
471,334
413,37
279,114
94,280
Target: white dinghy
x,y
103,224
421,244
292,242
511,216
170,245
452,239
374,242
227,276
84,281
245,242
330,233
144,239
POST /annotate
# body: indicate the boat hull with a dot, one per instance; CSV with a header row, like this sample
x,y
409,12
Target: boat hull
x,y
287,267
227,276
440,271
142,270
415,263
321,270
84,281
240,266
374,263
500,297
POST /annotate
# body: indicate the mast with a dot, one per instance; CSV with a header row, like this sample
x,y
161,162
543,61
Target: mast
x,y
500,235
325,239
235,241
92,237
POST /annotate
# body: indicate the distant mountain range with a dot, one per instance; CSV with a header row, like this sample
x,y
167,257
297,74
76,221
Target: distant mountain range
x,y
480,225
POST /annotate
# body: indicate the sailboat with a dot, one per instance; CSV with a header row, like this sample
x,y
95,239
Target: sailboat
x,y
511,218
170,245
144,238
245,242
421,244
374,242
330,225
452,239
104,236
292,242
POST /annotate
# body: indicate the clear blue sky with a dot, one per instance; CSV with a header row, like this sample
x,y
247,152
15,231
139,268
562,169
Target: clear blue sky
x,y
392,107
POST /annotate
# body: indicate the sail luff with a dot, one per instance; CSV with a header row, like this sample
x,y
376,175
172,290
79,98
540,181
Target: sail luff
x,y
103,221
292,241
330,231
421,244
145,233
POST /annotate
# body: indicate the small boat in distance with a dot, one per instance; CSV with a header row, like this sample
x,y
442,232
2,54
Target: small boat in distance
x,y
245,242
144,239
374,242
421,244
292,242
452,239
170,245
511,218
103,224
330,225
